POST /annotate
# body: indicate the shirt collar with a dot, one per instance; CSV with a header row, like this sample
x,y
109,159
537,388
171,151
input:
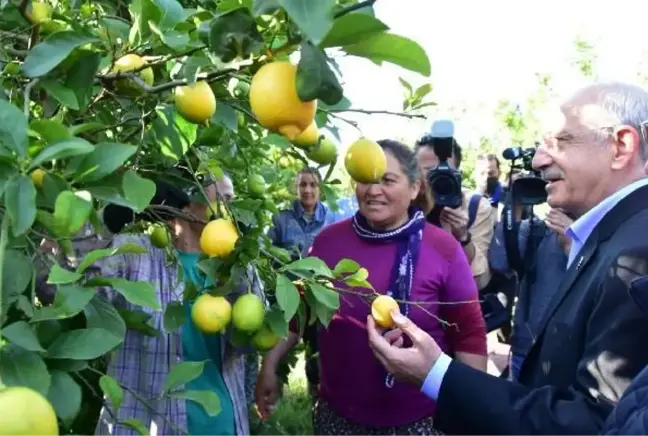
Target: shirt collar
x,y
318,215
580,229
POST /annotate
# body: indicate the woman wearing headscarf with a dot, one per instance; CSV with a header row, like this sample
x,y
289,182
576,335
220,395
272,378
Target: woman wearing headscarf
x,y
420,265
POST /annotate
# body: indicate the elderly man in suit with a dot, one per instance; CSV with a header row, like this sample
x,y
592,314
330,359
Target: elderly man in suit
x,y
591,340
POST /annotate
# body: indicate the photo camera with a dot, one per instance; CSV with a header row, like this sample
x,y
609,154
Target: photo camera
x,y
529,188
444,180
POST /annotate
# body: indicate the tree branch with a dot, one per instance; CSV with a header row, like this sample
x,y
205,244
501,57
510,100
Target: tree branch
x,y
28,90
355,7
376,112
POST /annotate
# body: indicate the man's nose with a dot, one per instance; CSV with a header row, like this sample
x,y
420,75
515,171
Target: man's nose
x,y
541,159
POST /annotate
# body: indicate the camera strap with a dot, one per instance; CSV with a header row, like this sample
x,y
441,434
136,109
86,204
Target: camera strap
x,y
511,244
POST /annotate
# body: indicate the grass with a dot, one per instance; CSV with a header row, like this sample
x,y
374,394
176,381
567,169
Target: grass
x,y
293,415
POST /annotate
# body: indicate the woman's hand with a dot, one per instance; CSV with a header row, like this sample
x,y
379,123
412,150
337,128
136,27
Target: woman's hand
x,y
266,392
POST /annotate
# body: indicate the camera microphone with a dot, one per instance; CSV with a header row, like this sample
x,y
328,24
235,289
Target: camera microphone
x,y
512,153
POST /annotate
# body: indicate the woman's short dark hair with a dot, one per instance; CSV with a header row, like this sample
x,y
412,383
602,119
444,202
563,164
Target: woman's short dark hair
x,y
405,157
309,170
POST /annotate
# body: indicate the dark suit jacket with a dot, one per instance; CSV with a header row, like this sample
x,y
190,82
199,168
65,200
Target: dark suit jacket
x,y
592,341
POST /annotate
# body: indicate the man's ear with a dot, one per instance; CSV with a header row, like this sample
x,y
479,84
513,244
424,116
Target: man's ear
x,y
627,143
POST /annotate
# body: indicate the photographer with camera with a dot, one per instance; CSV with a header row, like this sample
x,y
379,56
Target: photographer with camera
x,y
468,216
536,239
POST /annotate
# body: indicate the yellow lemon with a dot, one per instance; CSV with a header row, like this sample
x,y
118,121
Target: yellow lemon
x,y
39,12
196,103
23,411
275,103
365,161
248,313
218,238
211,314
381,311
38,176
324,154
131,62
308,138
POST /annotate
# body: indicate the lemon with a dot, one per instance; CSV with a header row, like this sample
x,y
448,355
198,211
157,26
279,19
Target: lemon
x,y
39,12
275,103
220,209
23,411
38,176
365,161
381,310
324,154
256,185
160,236
211,314
248,313
196,103
129,63
265,339
308,138
218,238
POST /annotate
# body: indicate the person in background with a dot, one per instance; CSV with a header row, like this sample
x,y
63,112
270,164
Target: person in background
x,y
591,340
414,262
474,238
141,363
487,175
295,229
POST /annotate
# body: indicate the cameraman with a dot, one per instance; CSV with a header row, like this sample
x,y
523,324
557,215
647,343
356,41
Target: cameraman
x,y
472,225
543,248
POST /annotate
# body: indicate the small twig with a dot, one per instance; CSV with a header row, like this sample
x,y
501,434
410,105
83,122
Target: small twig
x,y
14,52
349,122
354,7
28,90
377,112
189,217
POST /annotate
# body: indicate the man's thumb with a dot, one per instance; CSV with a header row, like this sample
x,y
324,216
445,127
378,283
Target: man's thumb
x,y
407,326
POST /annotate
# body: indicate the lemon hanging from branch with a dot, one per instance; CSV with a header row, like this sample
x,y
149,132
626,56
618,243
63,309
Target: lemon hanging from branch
x,y
23,411
381,309
129,63
218,238
248,313
308,138
196,103
324,154
365,161
211,314
275,103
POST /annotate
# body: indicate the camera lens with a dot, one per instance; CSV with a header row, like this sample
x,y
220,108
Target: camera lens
x,y
443,185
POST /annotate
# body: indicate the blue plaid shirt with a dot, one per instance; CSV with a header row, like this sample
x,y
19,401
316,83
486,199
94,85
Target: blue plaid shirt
x,y
293,232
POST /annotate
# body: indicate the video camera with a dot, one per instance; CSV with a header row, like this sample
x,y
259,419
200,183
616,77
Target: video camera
x,y
444,180
529,189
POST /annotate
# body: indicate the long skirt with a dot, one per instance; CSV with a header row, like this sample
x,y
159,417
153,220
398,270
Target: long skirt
x,y
328,422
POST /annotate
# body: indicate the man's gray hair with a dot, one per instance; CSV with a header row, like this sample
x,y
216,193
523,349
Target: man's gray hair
x,y
628,103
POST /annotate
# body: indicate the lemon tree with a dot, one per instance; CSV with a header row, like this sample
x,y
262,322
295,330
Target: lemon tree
x,y
97,100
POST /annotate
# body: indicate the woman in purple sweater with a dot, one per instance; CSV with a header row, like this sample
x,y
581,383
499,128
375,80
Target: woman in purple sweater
x,y
410,260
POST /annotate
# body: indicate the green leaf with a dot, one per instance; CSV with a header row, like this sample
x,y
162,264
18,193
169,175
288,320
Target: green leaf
x,y
62,150
85,127
207,399
97,255
277,321
326,296
172,133
423,90
69,301
100,313
359,279
345,266
13,128
112,390
174,316
17,273
83,344
7,172
171,13
263,7
406,85
226,116
287,296
138,293
137,425
81,76
19,367
61,93
315,80
183,373
105,159
234,34
312,264
65,395
61,276
71,211
20,201
138,190
314,18
46,55
387,47
50,130
352,28
21,334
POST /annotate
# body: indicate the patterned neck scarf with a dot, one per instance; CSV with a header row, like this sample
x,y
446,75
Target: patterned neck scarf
x,y
408,238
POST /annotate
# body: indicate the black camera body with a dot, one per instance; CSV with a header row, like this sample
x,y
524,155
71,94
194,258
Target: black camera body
x,y
444,180
529,189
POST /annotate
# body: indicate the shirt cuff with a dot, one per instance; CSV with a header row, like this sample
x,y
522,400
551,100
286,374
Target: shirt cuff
x,y
432,384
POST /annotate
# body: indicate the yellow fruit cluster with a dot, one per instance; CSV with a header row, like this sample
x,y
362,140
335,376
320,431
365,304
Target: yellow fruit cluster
x,y
213,314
